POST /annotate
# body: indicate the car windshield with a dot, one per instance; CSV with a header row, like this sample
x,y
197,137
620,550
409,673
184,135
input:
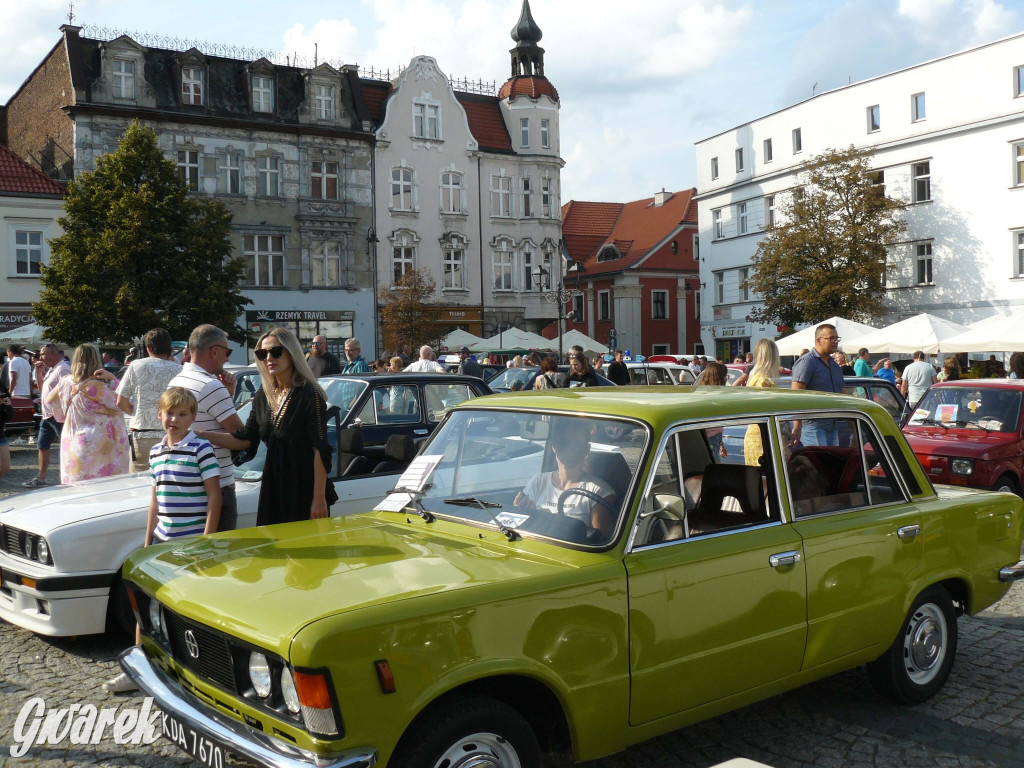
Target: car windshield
x,y
990,409
513,378
340,392
559,477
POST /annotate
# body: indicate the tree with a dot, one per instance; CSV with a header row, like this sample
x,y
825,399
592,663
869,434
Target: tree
x,y
408,312
827,254
138,252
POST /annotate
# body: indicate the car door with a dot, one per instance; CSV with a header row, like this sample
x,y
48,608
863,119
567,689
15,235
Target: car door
x,y
717,589
862,541
393,408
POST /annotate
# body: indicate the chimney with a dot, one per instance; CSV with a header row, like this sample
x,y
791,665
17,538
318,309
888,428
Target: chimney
x,y
660,198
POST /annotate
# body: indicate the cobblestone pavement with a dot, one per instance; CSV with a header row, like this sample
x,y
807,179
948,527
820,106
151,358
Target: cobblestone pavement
x,y
976,720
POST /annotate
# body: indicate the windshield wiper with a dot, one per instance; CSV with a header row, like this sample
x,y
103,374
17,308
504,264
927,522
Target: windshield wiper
x,y
930,422
978,424
486,506
414,497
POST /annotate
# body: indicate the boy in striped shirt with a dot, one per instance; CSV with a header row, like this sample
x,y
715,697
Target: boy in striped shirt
x,y
186,475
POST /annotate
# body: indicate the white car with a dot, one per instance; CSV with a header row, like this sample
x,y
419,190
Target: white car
x,y
62,548
659,373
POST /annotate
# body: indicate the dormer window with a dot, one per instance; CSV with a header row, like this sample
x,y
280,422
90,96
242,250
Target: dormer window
x,y
124,79
192,79
262,93
609,253
325,102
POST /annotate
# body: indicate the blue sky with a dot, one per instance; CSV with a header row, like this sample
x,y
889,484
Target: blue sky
x,y
639,83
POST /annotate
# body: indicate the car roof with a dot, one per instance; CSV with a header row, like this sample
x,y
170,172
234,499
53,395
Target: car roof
x,y
451,378
1015,384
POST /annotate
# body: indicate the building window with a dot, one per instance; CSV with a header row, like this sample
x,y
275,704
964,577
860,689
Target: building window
x,y
924,264
1020,254
922,182
188,168
917,110
527,198
604,305
545,198
324,180
426,121
28,251
769,211
326,262
714,168
403,257
451,192
527,266
524,131
262,93
1018,81
744,275
264,259
124,79
324,102
401,189
503,267
720,288
876,181
545,134
454,252
192,85
501,195
716,219
874,119
739,159
268,176
659,305
1019,150
798,141
767,150
231,174
577,309
741,216
547,262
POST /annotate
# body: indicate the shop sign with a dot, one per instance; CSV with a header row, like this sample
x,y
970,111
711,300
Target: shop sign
x,y
293,315
732,331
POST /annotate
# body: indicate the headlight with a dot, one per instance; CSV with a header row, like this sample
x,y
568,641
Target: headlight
x,y
42,551
291,696
28,546
961,466
259,674
155,619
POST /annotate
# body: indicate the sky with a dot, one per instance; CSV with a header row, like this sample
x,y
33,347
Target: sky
x,y
638,82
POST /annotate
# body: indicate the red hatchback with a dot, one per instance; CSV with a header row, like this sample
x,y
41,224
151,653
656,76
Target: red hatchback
x,y
968,432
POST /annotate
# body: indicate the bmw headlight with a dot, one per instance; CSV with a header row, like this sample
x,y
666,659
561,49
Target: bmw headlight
x,y
259,674
42,551
156,619
291,696
961,466
28,546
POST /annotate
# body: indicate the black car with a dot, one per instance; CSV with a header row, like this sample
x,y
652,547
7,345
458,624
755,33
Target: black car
x,y
516,379
881,391
490,370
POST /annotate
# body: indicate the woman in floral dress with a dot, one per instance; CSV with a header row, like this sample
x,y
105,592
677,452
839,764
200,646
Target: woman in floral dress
x,y
94,440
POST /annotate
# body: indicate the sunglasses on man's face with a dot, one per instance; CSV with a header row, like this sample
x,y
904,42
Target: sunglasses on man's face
x,y
274,352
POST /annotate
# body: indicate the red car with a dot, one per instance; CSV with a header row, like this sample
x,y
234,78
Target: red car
x,y
968,432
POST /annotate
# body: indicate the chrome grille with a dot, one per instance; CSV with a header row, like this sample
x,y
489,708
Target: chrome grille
x,y
214,660
12,541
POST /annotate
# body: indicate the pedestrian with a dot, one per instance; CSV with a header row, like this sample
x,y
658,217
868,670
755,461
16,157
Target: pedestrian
x,y
426,363
6,414
886,372
862,366
715,375
395,365
580,372
917,377
694,366
289,415
321,362
406,355
213,387
762,375
1017,365
139,392
549,377
19,372
354,362
50,369
618,373
819,372
840,358
468,366
950,370
94,439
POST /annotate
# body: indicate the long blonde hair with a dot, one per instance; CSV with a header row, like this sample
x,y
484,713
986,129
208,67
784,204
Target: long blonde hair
x,y
301,372
766,362
85,362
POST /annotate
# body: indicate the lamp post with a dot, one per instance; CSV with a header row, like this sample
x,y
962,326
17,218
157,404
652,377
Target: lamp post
x,y
371,256
561,297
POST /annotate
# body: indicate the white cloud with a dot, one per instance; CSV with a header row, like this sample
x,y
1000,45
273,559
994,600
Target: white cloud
x,y
27,32
333,39
925,11
958,23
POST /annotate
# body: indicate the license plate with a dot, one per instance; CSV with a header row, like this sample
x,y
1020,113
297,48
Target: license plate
x,y
196,744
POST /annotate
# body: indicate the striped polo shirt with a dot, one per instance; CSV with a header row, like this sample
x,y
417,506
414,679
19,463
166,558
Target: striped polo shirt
x,y
179,472
215,405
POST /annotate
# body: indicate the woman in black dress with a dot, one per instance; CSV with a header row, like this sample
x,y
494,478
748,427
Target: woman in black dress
x,y
289,414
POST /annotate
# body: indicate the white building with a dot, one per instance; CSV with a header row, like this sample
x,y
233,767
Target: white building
x,y
948,138
467,187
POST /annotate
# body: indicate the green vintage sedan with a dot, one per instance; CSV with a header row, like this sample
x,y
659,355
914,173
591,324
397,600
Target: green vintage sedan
x,y
572,570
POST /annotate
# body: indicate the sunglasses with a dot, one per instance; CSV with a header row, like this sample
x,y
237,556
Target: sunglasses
x,y
274,352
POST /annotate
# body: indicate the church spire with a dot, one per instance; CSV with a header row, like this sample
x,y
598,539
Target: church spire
x,y
527,56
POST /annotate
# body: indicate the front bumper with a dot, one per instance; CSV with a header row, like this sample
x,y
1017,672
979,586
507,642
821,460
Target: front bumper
x,y
1012,572
51,604
256,746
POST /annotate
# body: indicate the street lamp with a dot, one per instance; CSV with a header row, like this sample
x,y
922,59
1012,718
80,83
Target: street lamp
x,y
561,297
371,256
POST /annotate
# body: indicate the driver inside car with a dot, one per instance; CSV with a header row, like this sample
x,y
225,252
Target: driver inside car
x,y
571,444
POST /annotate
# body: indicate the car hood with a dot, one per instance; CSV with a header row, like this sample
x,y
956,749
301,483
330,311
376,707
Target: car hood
x,y
47,509
264,584
967,443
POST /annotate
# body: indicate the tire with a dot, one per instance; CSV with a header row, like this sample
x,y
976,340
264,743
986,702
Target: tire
x,y
469,730
916,665
1007,484
120,616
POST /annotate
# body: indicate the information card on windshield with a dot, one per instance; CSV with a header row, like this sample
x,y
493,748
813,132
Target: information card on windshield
x,y
414,479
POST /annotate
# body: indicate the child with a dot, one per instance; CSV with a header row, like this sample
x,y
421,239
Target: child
x,y
186,487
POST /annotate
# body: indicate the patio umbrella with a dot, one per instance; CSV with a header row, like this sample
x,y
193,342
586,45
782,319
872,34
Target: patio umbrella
x,y
924,332
458,339
514,338
590,346
30,335
791,345
999,333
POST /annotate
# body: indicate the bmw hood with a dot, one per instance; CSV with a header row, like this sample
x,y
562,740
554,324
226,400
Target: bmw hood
x,y
46,509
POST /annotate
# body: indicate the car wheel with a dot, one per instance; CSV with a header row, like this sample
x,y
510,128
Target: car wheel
x,y
468,731
918,662
1007,484
120,617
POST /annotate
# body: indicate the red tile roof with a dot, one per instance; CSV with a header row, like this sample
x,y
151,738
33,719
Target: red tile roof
x,y
485,121
19,178
531,86
375,93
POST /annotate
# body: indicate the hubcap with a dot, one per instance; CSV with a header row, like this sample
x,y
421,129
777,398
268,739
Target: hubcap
x,y
924,645
480,750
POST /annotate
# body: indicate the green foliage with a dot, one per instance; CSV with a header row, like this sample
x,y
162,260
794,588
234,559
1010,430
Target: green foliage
x,y
138,252
409,313
827,254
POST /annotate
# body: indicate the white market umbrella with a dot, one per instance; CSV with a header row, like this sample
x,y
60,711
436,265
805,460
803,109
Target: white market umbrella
x,y
924,332
29,335
993,334
515,338
792,344
458,339
578,338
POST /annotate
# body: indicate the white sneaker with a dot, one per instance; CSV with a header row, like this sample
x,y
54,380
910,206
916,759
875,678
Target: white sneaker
x,y
120,684
32,440
19,441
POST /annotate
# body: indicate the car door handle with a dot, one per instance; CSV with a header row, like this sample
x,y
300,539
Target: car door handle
x,y
908,531
784,558
421,432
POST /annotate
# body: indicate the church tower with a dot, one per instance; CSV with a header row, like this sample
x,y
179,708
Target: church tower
x,y
527,77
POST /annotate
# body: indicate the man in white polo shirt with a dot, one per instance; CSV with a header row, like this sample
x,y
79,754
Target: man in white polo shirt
x,y
204,376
